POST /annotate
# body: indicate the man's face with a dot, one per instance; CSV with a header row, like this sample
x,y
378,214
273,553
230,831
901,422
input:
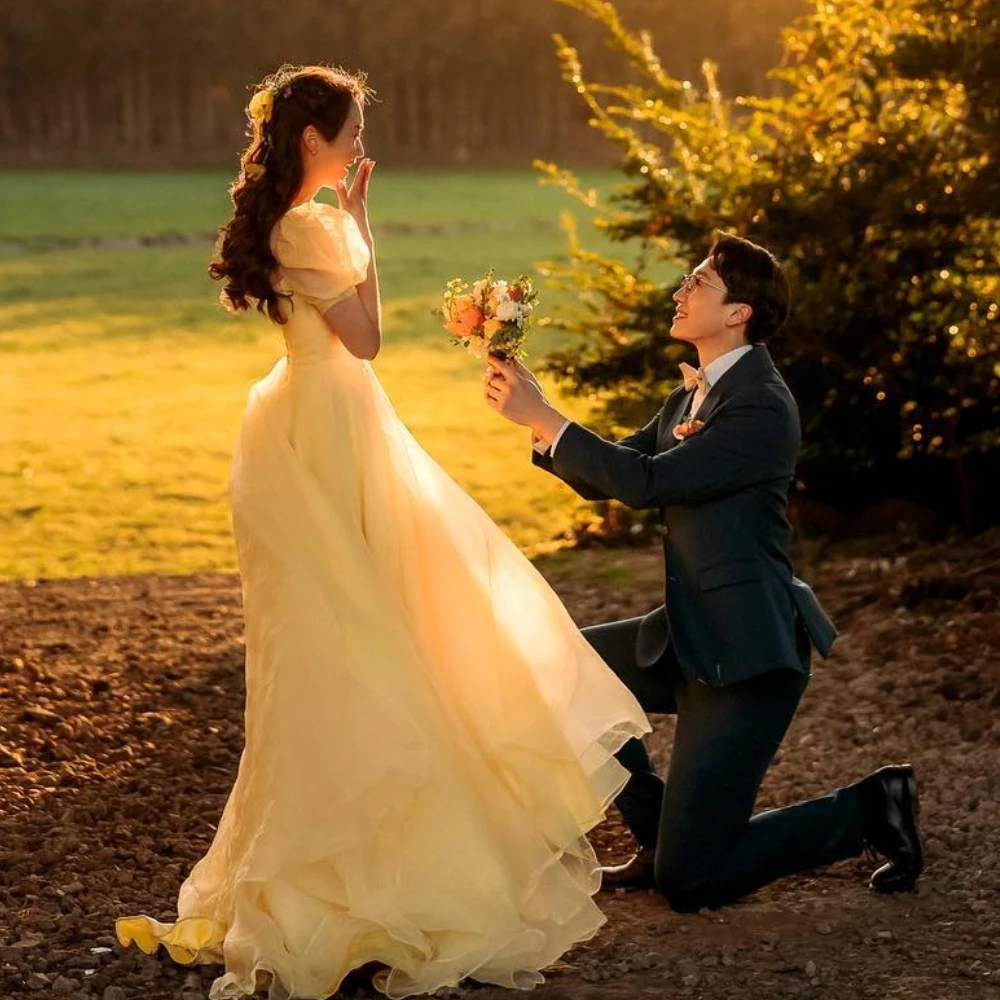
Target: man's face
x,y
701,312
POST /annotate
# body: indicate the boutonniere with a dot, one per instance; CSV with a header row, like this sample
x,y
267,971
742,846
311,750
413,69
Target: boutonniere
x,y
687,427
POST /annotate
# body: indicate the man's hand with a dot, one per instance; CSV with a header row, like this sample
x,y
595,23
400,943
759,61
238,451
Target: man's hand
x,y
515,394
528,374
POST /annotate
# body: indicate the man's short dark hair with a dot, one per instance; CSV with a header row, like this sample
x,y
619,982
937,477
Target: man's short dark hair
x,y
753,276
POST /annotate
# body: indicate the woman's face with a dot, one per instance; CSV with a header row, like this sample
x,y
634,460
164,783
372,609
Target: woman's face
x,y
331,161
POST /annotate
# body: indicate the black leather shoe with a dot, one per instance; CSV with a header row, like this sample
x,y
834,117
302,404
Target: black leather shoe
x,y
890,807
634,874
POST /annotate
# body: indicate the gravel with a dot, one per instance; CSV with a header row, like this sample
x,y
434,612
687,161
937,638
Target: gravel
x,y
121,711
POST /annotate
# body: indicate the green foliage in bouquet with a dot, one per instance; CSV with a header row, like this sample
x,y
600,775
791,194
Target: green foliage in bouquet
x,y
874,177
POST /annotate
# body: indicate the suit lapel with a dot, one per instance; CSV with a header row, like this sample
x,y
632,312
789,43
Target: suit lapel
x,y
715,395
671,418
751,368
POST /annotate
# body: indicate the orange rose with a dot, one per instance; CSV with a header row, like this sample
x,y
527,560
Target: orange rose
x,y
465,317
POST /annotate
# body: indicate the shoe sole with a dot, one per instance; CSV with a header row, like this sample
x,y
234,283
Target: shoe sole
x,y
914,793
911,787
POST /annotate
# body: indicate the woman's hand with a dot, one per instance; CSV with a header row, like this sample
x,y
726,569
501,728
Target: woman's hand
x,y
355,199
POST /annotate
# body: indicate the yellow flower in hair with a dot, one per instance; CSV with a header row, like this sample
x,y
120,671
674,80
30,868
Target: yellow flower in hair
x,y
253,171
261,105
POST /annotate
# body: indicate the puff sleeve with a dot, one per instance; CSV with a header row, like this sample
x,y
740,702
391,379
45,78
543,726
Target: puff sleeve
x,y
321,254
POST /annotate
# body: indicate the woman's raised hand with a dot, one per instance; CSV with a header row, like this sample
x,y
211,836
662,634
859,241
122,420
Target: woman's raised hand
x,y
354,199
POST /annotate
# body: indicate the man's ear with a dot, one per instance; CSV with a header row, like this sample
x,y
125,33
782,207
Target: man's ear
x,y
739,314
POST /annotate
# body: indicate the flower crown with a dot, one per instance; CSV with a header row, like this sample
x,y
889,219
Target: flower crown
x,y
260,109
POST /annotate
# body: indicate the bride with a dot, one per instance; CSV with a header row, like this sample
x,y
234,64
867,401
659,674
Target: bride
x,y
428,737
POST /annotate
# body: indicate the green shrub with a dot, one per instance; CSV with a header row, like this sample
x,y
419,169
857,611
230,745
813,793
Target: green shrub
x,y
874,177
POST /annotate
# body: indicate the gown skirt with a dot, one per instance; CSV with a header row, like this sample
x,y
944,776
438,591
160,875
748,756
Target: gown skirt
x,y
428,736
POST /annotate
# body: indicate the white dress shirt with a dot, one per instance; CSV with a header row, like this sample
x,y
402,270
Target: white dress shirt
x,y
713,372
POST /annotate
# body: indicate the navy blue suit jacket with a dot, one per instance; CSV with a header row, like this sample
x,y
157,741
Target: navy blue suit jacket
x,y
731,598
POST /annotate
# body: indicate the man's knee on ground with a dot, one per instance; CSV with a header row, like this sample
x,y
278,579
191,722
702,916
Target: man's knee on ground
x,y
682,893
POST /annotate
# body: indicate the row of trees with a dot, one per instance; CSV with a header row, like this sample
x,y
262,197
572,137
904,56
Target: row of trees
x,y
874,175
164,82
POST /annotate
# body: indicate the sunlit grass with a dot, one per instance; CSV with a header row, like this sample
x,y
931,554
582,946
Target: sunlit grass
x,y
123,381
102,204
117,462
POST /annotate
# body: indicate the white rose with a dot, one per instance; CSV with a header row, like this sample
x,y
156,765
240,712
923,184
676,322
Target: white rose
x,y
479,289
508,311
498,294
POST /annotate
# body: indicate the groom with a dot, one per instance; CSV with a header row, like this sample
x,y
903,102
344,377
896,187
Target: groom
x,y
729,651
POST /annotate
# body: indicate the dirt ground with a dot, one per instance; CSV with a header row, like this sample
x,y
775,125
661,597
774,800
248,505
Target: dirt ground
x,y
121,709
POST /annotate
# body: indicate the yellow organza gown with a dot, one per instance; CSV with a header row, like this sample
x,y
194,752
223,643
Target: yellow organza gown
x,y
428,736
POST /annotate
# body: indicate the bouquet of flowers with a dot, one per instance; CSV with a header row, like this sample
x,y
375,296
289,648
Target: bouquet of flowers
x,y
490,317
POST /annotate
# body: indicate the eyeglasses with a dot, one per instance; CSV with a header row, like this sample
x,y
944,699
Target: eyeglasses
x,y
691,281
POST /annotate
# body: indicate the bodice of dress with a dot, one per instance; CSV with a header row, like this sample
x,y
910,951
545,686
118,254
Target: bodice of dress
x,y
322,257
308,337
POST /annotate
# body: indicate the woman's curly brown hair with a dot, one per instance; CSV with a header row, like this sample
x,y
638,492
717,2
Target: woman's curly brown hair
x,y
302,95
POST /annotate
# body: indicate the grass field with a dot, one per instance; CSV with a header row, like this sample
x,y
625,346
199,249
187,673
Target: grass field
x,y
123,381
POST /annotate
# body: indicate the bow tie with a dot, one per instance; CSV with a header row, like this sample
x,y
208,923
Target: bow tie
x,y
694,378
